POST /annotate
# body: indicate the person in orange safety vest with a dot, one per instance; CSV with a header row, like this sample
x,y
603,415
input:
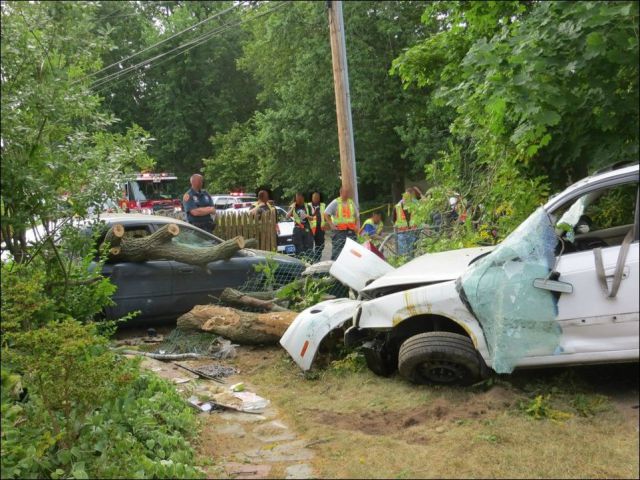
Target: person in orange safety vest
x,y
342,217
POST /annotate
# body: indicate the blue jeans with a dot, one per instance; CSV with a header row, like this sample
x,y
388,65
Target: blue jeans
x,y
407,242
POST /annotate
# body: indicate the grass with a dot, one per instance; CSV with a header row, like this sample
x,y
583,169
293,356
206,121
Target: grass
x,y
367,426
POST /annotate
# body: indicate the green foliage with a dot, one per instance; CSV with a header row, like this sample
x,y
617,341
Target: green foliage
x,y
71,408
57,159
590,405
291,141
268,269
540,408
88,412
304,294
353,362
182,100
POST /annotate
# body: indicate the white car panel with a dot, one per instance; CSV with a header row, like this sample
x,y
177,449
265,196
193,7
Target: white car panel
x,y
303,337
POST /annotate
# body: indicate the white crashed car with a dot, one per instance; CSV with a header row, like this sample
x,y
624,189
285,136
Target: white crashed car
x,y
562,289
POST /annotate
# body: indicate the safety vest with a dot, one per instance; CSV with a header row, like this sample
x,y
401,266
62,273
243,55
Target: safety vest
x,y
378,227
313,220
401,224
296,217
268,205
345,217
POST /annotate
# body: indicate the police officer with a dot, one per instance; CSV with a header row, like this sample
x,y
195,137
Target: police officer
x,y
198,205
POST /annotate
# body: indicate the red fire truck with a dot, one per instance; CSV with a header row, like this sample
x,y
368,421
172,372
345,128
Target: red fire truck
x,y
150,193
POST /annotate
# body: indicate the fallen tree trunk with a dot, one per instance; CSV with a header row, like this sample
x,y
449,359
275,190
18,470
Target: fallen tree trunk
x,y
158,246
235,297
241,327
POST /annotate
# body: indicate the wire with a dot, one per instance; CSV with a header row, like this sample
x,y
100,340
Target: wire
x,y
216,15
106,82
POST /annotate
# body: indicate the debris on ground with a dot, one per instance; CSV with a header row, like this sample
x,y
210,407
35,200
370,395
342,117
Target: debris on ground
x,y
216,370
166,357
202,406
189,341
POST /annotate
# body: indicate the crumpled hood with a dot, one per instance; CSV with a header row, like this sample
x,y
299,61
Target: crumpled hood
x,y
430,268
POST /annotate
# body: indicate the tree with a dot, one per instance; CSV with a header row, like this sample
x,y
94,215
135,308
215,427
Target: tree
x,y
292,140
551,84
57,159
192,92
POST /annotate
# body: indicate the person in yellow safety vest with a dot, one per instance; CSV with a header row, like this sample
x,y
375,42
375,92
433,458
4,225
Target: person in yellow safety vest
x,y
317,222
341,215
372,227
262,205
404,225
301,214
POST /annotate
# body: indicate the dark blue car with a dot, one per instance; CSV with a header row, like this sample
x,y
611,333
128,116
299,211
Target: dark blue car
x,y
165,289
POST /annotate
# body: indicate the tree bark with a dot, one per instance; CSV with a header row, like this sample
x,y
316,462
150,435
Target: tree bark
x,y
158,246
235,297
240,327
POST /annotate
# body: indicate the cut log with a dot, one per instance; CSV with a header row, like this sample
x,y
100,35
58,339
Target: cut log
x,y
241,327
114,235
158,246
235,297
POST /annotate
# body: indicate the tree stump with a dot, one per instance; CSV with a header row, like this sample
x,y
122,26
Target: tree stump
x,y
245,328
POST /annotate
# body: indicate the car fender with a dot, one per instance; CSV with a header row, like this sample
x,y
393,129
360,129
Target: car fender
x,y
442,299
303,337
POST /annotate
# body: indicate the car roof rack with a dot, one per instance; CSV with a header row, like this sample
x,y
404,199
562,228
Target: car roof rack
x,y
614,166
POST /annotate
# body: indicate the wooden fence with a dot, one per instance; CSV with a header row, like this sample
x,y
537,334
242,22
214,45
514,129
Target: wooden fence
x,y
262,229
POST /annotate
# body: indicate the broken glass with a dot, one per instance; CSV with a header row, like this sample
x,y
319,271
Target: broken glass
x,y
518,319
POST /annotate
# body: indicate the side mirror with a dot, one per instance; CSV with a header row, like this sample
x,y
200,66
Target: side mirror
x,y
553,285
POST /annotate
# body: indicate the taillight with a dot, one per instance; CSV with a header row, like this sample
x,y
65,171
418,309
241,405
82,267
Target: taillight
x,y
277,229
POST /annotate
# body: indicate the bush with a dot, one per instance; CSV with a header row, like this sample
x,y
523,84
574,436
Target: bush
x,y
73,408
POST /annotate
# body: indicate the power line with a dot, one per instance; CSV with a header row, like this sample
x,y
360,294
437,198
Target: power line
x,y
198,40
106,83
216,15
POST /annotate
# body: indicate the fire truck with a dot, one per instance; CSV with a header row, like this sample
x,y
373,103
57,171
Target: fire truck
x,y
151,193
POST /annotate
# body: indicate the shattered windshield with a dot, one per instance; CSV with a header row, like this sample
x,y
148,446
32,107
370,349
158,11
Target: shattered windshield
x,y
518,319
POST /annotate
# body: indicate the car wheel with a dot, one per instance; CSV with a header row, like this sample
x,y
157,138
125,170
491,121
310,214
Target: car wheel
x,y
440,357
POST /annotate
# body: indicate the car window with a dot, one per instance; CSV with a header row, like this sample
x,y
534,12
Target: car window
x,y
282,216
603,216
221,203
193,238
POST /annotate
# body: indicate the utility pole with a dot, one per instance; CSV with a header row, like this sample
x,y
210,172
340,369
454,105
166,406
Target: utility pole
x,y
343,101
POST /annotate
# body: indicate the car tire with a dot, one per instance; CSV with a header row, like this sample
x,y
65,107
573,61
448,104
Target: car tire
x,y
440,357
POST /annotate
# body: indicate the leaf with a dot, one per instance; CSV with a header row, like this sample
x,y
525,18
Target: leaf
x,y
548,117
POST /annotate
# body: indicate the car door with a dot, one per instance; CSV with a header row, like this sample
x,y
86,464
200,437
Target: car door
x,y
198,285
141,286
595,326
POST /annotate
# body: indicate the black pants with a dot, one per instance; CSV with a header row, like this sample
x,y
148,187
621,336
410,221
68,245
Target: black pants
x,y
318,239
302,240
338,241
206,226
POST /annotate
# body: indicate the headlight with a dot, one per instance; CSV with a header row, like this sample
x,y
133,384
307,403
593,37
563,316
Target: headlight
x,y
177,209
147,211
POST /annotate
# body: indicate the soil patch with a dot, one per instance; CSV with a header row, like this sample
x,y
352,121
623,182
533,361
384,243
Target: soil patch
x,y
376,422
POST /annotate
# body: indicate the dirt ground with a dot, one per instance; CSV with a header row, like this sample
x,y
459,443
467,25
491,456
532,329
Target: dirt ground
x,y
339,423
